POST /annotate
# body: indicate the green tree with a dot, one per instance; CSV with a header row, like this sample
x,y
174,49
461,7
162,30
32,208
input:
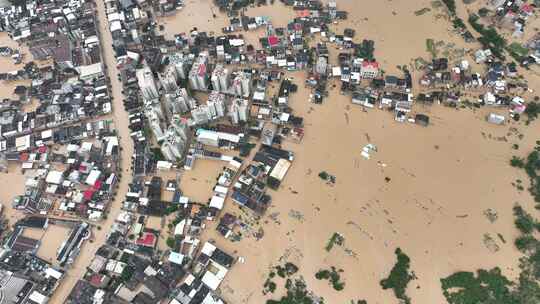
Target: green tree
x,y
399,277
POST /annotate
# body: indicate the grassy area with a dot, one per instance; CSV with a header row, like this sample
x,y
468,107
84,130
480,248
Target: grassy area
x,y
518,49
399,277
431,48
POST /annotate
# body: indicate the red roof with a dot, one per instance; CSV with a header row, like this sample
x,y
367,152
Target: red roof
x,y
24,157
527,8
42,149
373,64
148,240
97,185
82,168
202,70
273,40
302,13
96,279
88,194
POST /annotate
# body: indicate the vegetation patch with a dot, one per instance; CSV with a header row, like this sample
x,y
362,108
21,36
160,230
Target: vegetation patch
x,y
532,111
297,293
287,270
518,49
422,11
333,276
431,48
335,239
483,12
283,271
489,37
524,221
486,287
451,5
399,277
296,289
531,165
327,177
157,154
491,286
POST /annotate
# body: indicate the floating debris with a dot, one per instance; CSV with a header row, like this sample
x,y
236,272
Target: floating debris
x,y
367,149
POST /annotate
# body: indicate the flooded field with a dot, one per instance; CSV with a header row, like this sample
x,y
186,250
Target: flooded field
x,y
425,190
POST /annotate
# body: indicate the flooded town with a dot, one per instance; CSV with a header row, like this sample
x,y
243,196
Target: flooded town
x,y
269,151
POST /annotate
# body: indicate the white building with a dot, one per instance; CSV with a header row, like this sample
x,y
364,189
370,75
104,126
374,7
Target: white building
x,y
181,64
200,115
369,70
176,139
241,85
179,102
220,79
322,64
180,127
239,110
216,104
169,79
89,72
154,122
198,75
147,83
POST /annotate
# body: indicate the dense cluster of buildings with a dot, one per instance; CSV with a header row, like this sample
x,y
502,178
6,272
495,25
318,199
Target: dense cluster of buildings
x,y
56,131
199,97
70,94
25,278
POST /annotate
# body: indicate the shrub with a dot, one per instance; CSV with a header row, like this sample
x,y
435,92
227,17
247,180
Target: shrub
x,y
171,242
399,277
525,243
517,162
483,12
451,5
524,221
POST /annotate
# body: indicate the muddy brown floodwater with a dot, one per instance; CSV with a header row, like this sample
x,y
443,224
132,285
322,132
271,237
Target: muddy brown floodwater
x,y
425,190
437,175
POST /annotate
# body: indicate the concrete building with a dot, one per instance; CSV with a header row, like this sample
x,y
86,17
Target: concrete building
x,y
147,83
241,84
369,70
181,63
155,123
176,139
169,79
179,102
200,115
198,75
322,64
239,110
216,105
180,127
220,79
